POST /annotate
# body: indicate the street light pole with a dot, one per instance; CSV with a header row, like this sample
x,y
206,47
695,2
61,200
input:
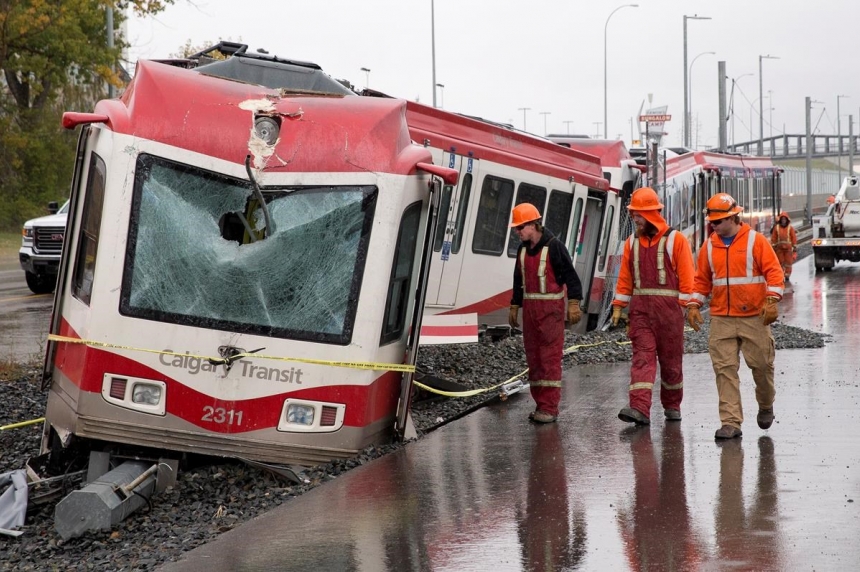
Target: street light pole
x,y
605,72
442,94
690,86
761,103
524,109
545,113
686,102
433,46
567,124
839,136
735,81
367,77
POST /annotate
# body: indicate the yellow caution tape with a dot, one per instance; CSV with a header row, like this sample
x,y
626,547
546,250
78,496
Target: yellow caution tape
x,y
21,424
220,360
473,392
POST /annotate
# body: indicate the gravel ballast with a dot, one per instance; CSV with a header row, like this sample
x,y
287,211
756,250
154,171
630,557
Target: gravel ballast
x,y
212,498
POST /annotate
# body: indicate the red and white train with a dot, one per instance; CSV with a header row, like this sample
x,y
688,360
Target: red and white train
x,y
249,249
690,179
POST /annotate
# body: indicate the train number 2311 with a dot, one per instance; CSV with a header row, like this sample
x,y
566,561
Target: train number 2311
x,y
220,415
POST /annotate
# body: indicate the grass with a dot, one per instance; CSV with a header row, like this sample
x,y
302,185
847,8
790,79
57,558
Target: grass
x,y
10,242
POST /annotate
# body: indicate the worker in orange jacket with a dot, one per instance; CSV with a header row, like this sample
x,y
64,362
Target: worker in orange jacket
x,y
739,270
783,238
656,281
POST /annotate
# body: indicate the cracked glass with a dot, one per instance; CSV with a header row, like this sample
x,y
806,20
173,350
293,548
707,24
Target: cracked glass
x,y
199,253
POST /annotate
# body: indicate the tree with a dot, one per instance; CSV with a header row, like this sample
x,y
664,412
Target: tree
x,y
53,53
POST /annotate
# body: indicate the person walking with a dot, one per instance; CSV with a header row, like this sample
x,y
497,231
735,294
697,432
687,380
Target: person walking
x,y
655,282
740,271
783,238
542,272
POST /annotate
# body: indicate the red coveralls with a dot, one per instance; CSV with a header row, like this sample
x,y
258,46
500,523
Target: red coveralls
x,y
544,312
650,283
784,242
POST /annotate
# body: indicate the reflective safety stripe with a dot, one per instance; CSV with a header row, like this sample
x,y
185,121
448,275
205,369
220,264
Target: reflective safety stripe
x,y
545,383
696,297
677,386
641,385
655,292
661,265
661,256
544,253
623,297
684,297
550,296
737,281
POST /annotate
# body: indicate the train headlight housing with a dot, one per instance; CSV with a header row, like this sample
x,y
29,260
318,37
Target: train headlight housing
x,y
147,393
311,416
300,414
135,393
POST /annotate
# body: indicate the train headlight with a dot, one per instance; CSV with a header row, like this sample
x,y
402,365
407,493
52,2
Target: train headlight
x,y
301,414
146,393
267,129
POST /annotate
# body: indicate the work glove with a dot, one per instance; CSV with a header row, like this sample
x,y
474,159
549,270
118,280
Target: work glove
x,y
769,313
512,317
574,314
694,317
616,315
794,253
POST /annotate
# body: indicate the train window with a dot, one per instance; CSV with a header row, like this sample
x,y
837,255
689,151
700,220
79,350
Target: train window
x,y
444,214
526,194
574,229
88,241
604,244
494,214
558,214
462,209
401,275
203,252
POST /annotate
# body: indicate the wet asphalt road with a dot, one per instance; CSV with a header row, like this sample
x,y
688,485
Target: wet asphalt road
x,y
492,492
24,317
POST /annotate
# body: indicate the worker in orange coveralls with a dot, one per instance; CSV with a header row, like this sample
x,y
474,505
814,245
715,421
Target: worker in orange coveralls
x,y
552,533
542,272
738,269
783,238
657,529
655,280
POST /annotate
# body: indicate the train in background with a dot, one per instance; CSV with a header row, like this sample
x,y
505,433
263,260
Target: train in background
x,y
686,181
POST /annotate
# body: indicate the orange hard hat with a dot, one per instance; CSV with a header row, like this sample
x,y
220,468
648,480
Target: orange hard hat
x,y
644,199
722,205
523,213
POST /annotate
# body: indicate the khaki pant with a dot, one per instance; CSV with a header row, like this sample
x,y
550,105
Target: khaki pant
x,y
729,337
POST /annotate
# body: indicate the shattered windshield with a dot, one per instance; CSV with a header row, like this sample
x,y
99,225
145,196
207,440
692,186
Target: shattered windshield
x,y
199,254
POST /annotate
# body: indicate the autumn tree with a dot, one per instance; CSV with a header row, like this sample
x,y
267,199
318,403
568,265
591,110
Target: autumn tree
x,y
53,56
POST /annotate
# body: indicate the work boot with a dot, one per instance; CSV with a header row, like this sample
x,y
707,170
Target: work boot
x,y
543,417
630,415
727,432
672,415
765,418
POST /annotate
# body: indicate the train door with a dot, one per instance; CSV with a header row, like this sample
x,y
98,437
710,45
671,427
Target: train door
x,y
449,242
584,236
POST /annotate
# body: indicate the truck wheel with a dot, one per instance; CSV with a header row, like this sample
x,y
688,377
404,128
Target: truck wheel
x,y
40,283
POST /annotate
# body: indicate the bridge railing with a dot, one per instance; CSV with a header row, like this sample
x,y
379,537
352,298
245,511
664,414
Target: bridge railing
x,y
793,146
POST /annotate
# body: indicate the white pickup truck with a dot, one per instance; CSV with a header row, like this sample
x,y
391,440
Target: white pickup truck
x,y
836,234
41,248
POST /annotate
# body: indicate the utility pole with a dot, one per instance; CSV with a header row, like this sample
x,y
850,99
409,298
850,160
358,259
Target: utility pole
x,y
567,124
109,26
597,125
839,136
545,113
723,124
524,109
850,145
808,160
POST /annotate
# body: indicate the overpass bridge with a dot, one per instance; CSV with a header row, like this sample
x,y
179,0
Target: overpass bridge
x,y
793,146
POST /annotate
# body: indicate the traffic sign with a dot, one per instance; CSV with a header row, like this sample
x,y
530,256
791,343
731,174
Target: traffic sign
x,y
655,118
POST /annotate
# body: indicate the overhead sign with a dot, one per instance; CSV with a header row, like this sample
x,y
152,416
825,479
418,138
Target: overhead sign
x,y
655,118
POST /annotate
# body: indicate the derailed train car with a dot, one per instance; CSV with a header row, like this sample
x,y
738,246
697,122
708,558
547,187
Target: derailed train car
x,y
246,254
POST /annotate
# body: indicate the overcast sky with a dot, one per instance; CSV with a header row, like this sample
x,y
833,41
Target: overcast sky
x,y
497,56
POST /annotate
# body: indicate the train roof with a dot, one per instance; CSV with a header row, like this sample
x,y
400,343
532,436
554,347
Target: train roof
x,y
710,160
611,152
215,115
481,139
